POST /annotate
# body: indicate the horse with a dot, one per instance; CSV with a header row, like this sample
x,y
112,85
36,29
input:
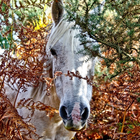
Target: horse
x,y
70,95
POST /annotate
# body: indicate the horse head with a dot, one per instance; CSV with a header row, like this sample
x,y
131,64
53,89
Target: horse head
x,y
73,91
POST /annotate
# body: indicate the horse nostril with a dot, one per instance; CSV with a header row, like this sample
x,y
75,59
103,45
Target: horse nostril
x,y
63,112
85,113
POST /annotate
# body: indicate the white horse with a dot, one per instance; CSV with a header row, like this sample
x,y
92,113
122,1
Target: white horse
x,y
71,96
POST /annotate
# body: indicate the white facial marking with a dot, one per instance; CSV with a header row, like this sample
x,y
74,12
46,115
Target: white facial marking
x,y
76,114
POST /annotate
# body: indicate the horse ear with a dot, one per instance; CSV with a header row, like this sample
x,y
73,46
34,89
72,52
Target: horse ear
x,y
57,11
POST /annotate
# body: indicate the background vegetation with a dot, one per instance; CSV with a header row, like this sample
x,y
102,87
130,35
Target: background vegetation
x,y
115,25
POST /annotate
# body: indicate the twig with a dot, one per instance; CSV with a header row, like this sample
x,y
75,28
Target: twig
x,y
125,116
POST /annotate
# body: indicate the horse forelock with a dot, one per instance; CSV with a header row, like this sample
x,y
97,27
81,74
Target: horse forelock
x,y
58,31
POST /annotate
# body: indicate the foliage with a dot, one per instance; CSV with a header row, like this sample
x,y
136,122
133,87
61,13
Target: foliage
x,y
115,110
23,29
12,126
18,14
115,105
115,25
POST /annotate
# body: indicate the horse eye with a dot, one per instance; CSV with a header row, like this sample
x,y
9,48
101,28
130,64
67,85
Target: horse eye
x,y
53,52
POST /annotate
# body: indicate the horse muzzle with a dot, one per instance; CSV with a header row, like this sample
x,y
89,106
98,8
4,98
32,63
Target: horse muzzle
x,y
75,117
69,125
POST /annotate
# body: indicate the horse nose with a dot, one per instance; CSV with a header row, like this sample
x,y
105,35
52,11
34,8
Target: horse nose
x,y
74,116
64,113
81,113
85,113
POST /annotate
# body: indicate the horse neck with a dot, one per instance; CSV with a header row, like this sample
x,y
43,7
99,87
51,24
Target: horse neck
x,y
41,92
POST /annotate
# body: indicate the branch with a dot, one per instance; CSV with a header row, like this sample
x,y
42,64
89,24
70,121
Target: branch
x,y
137,60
